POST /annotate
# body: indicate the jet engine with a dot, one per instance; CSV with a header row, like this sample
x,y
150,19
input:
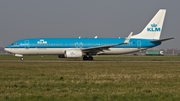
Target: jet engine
x,y
73,53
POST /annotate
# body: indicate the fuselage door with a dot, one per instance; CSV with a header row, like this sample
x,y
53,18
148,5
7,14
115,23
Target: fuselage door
x,y
138,44
78,45
26,42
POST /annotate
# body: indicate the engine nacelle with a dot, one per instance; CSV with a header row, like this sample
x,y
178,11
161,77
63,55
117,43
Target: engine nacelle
x,y
73,53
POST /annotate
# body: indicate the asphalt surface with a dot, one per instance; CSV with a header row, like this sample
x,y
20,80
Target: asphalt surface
x,y
60,61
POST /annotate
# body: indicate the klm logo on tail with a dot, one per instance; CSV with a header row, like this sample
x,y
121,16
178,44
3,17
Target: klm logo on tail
x,y
154,28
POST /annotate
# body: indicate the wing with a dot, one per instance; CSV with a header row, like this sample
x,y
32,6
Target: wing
x,y
105,47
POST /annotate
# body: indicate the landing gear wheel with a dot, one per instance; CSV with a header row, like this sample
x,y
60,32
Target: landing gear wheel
x,y
22,58
90,58
87,58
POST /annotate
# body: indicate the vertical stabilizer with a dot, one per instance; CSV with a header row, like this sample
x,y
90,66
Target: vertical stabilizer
x,y
154,28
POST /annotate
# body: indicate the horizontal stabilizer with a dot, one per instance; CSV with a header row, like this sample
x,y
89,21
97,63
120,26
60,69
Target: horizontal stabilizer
x,y
161,40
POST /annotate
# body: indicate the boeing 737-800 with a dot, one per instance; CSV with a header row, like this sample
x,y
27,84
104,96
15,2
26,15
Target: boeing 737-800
x,y
87,47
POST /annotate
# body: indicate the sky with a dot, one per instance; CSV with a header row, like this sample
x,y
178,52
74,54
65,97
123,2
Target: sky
x,y
21,19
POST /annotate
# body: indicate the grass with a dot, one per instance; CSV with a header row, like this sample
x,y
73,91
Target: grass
x,y
90,81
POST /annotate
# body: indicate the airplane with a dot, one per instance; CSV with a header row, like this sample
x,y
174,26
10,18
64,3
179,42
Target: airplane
x,y
88,47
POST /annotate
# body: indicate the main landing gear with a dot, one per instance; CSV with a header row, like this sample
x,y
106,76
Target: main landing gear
x,y
87,57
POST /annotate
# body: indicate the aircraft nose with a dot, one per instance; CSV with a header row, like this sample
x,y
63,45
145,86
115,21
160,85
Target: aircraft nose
x,y
6,49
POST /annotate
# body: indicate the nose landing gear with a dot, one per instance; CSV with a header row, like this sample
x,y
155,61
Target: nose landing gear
x,y
21,58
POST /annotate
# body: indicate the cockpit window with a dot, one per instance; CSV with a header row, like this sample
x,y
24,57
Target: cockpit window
x,y
14,44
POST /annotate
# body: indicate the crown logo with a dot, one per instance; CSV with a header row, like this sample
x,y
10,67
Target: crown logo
x,y
42,42
153,25
72,53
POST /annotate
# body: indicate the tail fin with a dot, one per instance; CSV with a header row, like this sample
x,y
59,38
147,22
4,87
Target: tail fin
x,y
154,28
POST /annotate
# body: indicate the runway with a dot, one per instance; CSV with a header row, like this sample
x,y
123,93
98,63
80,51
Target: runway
x,y
60,61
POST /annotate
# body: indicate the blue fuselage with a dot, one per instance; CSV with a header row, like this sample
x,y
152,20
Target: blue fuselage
x,y
81,43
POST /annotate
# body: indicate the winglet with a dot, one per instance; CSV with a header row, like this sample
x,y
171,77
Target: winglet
x,y
128,38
